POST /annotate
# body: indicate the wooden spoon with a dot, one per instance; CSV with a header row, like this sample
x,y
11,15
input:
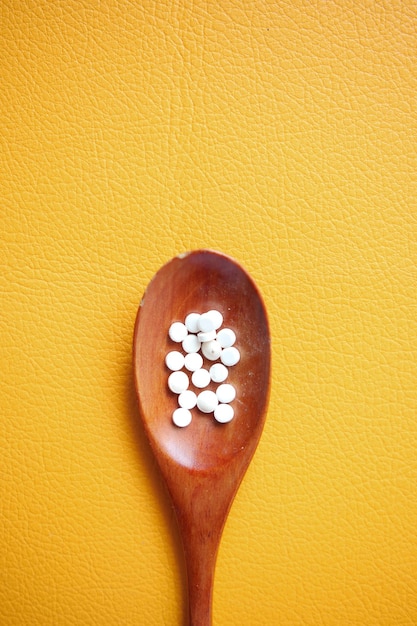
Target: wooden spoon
x,y
204,463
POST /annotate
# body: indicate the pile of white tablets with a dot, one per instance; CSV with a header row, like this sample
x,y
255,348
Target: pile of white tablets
x,y
207,352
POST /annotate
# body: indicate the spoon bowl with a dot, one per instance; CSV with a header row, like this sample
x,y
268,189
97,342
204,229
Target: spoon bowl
x,y
204,463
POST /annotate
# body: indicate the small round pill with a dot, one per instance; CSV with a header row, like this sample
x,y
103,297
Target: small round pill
x,y
191,344
193,361
216,317
206,323
191,322
223,413
187,399
226,337
230,356
181,417
207,336
177,332
207,401
218,372
174,360
211,350
200,378
225,393
178,382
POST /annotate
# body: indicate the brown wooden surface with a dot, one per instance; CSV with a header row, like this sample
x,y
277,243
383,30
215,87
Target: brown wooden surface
x,y
204,463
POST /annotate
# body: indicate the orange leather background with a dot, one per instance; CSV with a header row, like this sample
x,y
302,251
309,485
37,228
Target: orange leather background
x,y
284,134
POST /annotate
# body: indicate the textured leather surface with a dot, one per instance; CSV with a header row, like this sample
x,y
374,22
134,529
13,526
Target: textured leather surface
x,y
284,134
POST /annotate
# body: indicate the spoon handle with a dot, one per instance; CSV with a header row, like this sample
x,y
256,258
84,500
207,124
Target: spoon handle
x,y
200,556
201,505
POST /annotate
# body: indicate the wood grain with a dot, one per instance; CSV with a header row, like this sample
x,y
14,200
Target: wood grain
x,y
204,463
